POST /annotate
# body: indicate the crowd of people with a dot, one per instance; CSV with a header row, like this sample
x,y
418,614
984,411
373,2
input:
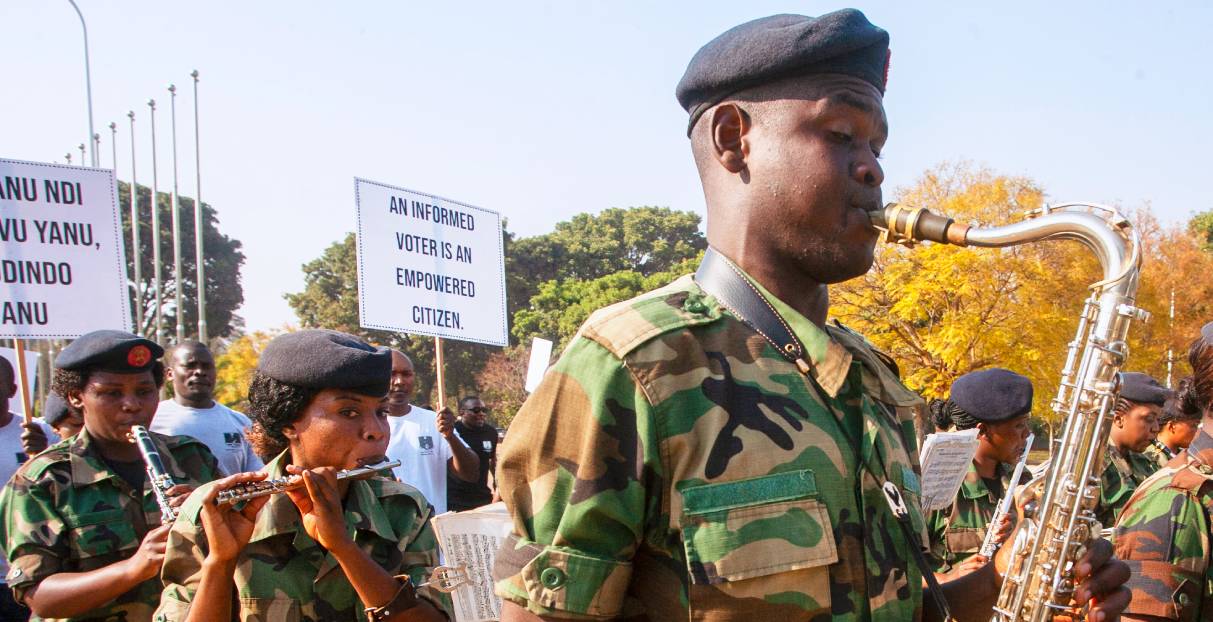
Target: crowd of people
x,y
711,450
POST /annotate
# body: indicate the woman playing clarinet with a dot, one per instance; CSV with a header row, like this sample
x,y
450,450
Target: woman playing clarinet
x,y
331,550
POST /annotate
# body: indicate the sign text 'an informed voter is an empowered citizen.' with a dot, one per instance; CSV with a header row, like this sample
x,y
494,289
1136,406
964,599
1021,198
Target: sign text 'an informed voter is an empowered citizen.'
x,y
429,265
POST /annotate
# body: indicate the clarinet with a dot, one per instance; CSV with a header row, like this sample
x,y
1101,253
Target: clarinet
x,y
989,546
156,473
252,490
1166,451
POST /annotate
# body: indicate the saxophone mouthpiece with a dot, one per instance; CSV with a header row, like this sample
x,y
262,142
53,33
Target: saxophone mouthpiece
x,y
906,225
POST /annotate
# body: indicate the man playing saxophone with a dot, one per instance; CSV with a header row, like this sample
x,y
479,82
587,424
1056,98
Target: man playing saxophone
x,y
997,402
715,450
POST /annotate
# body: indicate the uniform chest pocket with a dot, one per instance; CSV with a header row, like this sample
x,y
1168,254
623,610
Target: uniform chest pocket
x,y
755,537
269,610
102,533
962,540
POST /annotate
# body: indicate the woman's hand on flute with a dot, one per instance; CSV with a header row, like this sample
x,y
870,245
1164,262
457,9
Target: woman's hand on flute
x,y
319,503
227,529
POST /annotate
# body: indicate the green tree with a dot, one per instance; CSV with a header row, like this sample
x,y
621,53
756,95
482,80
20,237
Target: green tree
x,y
1200,227
223,256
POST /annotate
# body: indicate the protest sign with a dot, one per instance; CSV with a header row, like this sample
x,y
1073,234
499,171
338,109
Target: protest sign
x,y
429,265
62,265
541,357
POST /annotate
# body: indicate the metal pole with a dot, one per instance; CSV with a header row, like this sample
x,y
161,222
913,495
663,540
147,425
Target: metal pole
x,y
88,80
1171,331
96,150
136,250
114,146
180,309
157,283
68,157
199,258
81,148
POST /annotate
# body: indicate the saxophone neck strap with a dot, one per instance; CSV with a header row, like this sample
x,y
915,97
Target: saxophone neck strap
x,y
725,282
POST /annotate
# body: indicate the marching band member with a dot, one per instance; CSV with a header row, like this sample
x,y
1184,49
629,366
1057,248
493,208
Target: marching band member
x,y
324,551
81,525
1177,425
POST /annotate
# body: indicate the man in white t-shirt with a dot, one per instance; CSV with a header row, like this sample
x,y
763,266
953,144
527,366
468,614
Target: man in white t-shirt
x,y
423,441
194,412
15,446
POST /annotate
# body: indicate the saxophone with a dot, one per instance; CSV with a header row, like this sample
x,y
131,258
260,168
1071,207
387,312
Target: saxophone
x,y
1039,581
157,475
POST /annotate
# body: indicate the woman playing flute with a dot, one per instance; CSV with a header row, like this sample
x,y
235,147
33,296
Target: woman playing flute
x,y
331,550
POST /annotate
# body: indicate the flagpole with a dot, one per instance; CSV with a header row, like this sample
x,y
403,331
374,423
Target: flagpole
x,y
199,256
114,147
157,282
88,82
136,250
180,307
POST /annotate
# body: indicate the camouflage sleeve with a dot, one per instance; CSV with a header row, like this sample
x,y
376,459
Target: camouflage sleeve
x,y
183,556
573,471
1164,537
34,532
937,528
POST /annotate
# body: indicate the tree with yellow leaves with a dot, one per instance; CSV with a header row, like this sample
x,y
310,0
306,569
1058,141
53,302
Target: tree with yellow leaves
x,y
234,368
942,311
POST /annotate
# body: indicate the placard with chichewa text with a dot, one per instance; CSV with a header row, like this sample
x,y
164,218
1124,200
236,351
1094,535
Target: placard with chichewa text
x,y
428,265
62,261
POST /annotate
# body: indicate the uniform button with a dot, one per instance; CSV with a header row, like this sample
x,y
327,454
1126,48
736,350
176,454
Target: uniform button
x,y
694,306
1184,600
552,578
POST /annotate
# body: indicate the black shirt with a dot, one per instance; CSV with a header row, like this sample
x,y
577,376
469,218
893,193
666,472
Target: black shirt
x,y
461,495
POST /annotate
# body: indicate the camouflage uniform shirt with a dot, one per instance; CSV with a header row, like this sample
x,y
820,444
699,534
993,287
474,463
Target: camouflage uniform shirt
x,y
1164,535
1159,453
957,532
1123,472
672,465
283,575
66,511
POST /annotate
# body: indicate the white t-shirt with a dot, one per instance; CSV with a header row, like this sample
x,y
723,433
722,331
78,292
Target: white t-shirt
x,y
423,454
220,428
12,457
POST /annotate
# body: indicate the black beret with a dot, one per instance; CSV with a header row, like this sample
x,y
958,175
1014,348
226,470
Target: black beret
x,y
1141,388
55,409
782,46
993,395
327,359
110,350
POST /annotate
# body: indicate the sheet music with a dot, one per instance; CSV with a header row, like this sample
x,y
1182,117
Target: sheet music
x,y
946,457
473,537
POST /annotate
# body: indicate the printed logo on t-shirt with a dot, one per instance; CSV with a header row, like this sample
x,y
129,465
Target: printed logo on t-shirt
x,y
488,445
426,442
231,439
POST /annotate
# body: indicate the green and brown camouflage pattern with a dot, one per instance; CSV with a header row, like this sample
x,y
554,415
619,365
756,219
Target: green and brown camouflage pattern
x,y
66,511
1122,473
1164,536
1158,453
956,533
673,466
283,575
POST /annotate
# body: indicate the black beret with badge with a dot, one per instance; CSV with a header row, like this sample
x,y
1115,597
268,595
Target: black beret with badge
x,y
1142,389
782,46
993,395
114,351
327,359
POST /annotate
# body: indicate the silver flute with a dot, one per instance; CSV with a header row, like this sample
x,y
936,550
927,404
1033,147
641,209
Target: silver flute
x,y
1040,580
156,473
252,490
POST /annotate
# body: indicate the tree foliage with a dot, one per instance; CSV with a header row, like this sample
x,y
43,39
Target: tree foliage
x,y
502,383
234,368
223,257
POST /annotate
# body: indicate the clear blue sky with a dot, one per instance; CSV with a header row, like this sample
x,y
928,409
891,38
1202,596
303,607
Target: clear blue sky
x,y
541,110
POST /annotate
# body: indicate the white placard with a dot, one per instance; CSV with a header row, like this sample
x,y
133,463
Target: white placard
x,y
429,265
62,267
31,371
541,356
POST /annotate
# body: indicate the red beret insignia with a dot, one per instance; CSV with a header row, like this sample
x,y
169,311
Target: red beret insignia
x,y
138,356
